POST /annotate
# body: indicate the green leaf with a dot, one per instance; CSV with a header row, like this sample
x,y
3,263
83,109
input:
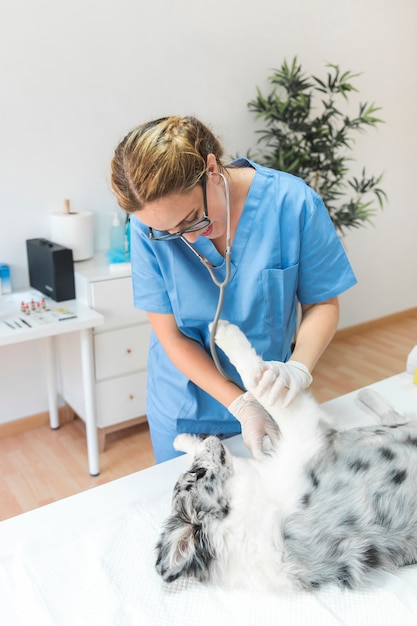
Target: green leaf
x,y
310,132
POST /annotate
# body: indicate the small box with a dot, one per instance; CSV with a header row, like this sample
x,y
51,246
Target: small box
x,y
51,269
5,283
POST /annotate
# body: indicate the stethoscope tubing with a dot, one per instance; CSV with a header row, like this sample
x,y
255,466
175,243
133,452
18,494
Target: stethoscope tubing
x,y
220,284
213,329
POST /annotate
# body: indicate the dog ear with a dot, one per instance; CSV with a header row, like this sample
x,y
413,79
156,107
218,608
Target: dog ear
x,y
183,550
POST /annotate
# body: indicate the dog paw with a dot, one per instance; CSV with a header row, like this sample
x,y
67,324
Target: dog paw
x,y
238,349
226,337
186,443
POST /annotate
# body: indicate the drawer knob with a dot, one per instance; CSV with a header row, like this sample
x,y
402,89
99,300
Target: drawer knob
x,y
129,350
131,396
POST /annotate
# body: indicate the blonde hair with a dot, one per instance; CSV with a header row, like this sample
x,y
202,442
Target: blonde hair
x,y
161,157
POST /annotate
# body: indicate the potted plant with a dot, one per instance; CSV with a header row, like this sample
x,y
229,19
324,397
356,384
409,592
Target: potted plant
x,y
307,133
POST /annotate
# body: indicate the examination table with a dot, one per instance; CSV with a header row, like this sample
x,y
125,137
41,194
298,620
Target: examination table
x,y
88,560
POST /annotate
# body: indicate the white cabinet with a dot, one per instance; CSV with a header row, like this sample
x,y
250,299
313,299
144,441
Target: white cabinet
x,y
120,348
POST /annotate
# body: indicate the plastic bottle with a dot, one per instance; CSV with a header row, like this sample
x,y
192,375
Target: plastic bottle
x,y
117,235
412,361
117,252
411,367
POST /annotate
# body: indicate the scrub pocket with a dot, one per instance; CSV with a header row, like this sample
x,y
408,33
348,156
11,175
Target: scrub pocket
x,y
279,290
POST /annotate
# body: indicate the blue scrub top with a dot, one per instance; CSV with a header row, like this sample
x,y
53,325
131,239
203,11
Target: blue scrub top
x,y
285,249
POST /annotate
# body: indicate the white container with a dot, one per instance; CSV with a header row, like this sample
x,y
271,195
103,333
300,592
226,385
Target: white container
x,y
74,231
412,361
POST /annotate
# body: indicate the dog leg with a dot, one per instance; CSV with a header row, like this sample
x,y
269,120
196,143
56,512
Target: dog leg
x,y
388,416
300,420
237,347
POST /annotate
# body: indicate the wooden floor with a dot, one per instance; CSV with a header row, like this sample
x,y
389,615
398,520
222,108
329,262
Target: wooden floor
x,y
40,465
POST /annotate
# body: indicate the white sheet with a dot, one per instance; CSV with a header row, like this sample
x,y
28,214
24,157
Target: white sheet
x,y
106,577
88,560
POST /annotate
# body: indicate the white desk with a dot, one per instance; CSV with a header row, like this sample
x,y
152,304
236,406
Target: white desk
x,y
17,327
88,560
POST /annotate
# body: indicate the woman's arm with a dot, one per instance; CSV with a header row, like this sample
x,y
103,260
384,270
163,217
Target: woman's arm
x,y
317,328
287,380
192,360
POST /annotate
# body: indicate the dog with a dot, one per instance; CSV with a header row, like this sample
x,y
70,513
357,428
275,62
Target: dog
x,y
325,507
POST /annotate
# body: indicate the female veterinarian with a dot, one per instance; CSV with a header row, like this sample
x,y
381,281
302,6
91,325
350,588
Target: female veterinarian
x,y
187,208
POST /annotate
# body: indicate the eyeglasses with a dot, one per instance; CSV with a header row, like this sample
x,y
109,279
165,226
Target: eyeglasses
x,y
202,223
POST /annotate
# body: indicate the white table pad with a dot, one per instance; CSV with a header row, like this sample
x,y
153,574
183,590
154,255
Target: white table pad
x,y
89,560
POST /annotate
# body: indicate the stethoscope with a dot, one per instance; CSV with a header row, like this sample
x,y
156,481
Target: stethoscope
x,y
220,284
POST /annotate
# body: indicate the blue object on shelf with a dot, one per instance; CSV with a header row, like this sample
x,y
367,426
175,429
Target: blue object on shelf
x,y
119,241
117,235
5,284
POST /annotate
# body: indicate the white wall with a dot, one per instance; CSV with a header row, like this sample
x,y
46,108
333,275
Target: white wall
x,y
77,74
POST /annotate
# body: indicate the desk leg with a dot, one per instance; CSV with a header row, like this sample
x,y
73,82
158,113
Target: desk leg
x,y
86,337
51,380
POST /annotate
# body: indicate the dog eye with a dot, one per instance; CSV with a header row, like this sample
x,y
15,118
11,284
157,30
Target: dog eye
x,y
198,472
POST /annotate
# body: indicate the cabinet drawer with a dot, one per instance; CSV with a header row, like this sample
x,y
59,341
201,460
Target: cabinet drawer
x,y
120,399
121,351
114,299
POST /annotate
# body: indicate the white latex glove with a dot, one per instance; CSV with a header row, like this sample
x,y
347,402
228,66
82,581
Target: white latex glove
x,y
283,380
259,431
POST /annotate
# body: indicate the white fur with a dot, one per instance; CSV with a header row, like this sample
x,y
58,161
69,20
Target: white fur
x,y
324,507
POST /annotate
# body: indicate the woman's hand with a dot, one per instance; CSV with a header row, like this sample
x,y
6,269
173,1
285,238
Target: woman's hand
x,y
282,381
259,431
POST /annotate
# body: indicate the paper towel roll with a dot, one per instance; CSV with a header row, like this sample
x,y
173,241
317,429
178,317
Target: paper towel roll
x,y
75,231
